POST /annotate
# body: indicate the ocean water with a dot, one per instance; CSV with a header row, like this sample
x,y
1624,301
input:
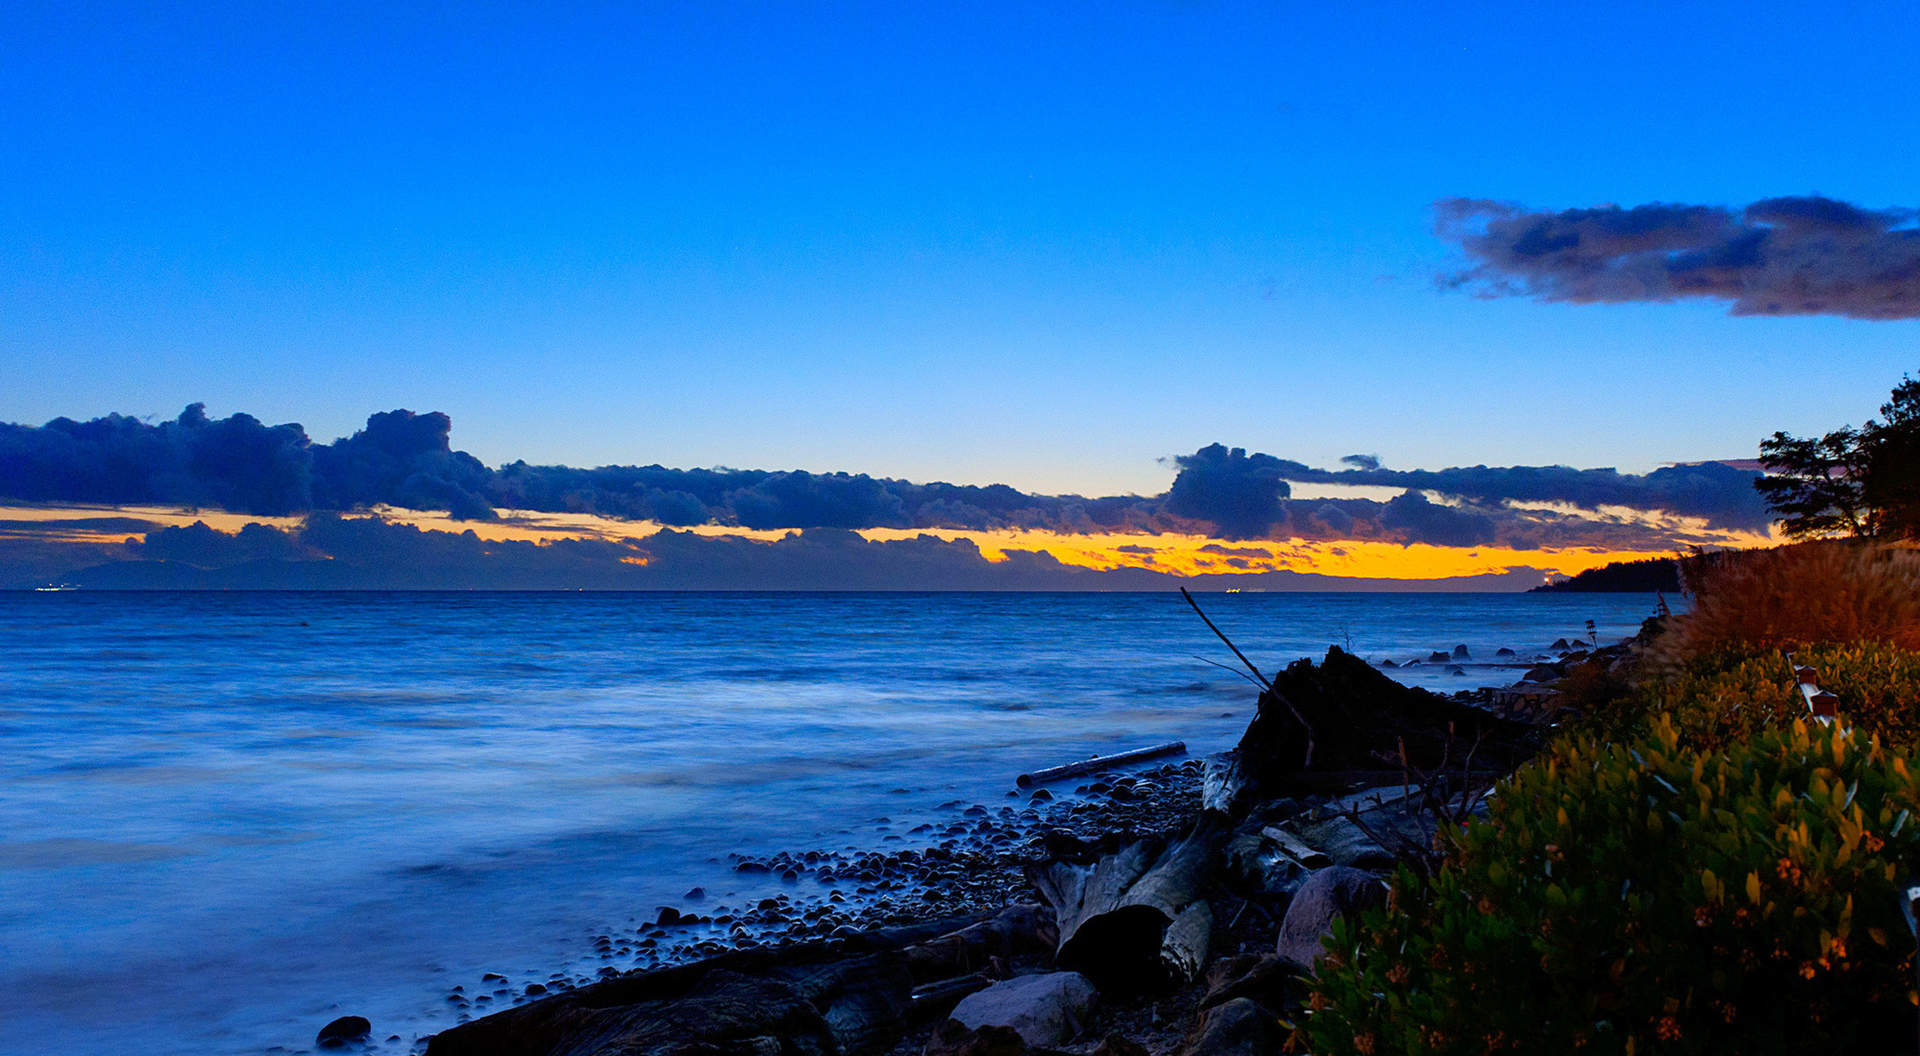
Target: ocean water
x,y
226,819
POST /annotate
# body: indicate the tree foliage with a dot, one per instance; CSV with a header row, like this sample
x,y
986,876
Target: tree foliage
x,y
1851,481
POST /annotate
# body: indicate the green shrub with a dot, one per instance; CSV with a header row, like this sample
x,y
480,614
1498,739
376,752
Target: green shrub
x,y
1649,898
1732,693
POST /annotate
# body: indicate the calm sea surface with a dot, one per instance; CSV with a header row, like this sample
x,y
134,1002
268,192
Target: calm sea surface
x,y
226,819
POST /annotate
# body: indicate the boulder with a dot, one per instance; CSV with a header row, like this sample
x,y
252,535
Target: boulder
x,y
1043,1009
346,1030
1460,653
1237,1028
1543,673
1327,895
1503,652
1438,657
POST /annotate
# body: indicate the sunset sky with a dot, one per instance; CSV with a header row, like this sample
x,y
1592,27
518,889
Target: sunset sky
x,y
1055,248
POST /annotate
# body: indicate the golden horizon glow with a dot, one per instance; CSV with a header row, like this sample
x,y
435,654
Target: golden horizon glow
x,y
1174,554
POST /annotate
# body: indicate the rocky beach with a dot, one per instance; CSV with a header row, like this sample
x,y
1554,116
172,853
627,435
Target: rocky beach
x,y
1165,907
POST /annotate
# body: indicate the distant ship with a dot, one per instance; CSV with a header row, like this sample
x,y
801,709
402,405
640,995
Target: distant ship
x,y
54,588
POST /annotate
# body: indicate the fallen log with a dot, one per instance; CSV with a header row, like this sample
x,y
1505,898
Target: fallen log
x,y
1016,930
1099,762
1135,920
1291,846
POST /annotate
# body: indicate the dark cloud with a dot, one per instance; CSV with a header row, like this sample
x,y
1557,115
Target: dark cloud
x,y
1721,494
806,500
407,460
1781,256
120,525
231,463
1414,518
1234,551
197,544
404,459
1240,494
1335,520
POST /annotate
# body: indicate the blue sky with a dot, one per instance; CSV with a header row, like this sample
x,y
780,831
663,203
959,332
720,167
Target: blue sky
x,y
976,243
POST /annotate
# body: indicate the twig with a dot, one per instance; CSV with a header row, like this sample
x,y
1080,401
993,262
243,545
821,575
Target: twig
x,y
1225,667
1223,637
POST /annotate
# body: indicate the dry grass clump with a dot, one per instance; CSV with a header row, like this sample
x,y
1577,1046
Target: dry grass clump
x,y
1796,596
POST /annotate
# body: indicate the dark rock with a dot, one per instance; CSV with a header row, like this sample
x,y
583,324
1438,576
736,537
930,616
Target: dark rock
x,y
1237,1028
1503,651
1329,893
1388,663
811,999
1438,657
1115,1045
696,894
953,1039
1043,1009
1460,653
1264,980
1342,715
1456,669
346,1030
1560,645
535,989
1543,673
668,916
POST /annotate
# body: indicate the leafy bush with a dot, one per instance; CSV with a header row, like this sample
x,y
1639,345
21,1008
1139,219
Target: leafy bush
x,y
1733,693
1649,898
1795,596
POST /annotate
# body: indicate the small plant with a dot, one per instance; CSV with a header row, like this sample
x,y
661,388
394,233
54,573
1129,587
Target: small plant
x,y
1649,898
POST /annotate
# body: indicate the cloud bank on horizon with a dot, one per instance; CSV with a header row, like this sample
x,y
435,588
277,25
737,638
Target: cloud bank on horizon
x,y
1804,255
934,533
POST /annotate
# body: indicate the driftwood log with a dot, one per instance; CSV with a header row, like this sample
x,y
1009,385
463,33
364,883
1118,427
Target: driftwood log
x,y
1099,762
1137,919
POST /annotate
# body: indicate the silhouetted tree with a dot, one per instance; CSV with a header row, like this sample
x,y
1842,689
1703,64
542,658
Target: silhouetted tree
x,y
1891,487
1862,481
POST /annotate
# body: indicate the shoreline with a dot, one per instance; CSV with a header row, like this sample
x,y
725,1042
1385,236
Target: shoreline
x,y
987,880
964,863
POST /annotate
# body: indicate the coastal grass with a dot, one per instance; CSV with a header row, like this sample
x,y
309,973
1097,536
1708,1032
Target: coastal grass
x,y
1794,596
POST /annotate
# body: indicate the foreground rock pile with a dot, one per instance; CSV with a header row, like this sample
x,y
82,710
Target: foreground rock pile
x,y
1147,914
